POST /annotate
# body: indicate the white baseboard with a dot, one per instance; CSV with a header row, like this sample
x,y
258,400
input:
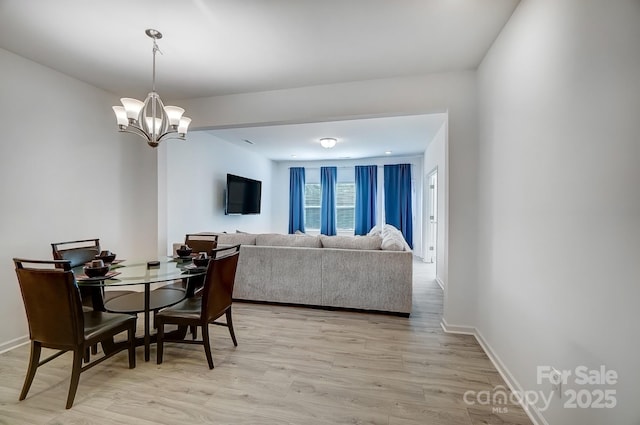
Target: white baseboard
x,y
531,410
440,282
14,343
454,329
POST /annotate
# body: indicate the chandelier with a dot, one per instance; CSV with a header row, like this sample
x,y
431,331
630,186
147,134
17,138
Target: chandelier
x,y
150,119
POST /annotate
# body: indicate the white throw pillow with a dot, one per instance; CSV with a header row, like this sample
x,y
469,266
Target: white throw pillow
x,y
390,229
375,230
393,237
392,243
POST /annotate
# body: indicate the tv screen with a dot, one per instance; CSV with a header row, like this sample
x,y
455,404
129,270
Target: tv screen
x,y
243,195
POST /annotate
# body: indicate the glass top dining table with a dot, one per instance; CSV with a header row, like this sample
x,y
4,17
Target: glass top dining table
x,y
123,273
158,276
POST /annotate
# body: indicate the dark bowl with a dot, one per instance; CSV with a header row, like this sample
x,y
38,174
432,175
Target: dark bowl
x,y
106,258
184,252
96,271
201,262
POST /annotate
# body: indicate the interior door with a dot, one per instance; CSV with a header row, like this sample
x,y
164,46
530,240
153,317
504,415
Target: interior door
x,y
432,217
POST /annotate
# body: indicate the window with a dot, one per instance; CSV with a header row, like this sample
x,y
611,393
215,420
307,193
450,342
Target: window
x,y
345,206
312,206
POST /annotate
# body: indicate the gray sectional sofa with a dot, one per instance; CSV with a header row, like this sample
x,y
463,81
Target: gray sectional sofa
x,y
351,272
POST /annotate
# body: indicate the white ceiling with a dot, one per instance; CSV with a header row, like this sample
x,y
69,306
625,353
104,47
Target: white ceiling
x,y
362,138
216,47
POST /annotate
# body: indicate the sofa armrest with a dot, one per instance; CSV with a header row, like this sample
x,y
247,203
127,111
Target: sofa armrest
x,y
371,280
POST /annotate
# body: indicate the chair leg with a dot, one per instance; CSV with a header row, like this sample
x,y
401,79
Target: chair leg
x,y
87,356
159,341
230,326
36,348
181,332
207,346
194,332
131,333
75,376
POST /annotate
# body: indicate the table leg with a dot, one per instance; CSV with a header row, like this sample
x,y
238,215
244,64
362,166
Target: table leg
x,y
97,299
147,328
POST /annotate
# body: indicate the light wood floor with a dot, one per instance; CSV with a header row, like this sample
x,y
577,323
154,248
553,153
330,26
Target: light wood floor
x,y
292,366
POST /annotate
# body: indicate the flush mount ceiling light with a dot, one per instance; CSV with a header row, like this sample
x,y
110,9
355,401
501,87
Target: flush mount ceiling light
x,y
328,142
150,119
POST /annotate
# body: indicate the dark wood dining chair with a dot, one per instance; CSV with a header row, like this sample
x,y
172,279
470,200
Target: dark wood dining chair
x,y
198,242
57,321
200,311
78,253
201,242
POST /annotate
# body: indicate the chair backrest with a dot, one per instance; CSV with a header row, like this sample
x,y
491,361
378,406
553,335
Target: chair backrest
x,y
52,302
201,242
77,252
218,285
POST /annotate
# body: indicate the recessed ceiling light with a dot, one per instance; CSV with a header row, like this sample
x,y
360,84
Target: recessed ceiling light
x,y
328,142
387,152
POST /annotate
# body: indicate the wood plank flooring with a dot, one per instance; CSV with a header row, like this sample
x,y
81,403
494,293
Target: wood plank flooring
x,y
292,366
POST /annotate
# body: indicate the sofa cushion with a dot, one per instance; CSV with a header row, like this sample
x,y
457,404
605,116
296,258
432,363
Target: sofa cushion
x,y
276,239
351,242
236,238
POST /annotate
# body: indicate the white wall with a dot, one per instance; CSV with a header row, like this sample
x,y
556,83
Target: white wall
x,y
67,174
559,197
281,180
196,179
454,93
435,158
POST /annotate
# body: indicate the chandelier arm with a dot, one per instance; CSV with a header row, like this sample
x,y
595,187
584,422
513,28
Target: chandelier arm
x,y
152,111
171,135
135,130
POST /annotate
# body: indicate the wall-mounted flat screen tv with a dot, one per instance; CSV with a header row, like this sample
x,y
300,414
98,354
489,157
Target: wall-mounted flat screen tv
x,y
242,195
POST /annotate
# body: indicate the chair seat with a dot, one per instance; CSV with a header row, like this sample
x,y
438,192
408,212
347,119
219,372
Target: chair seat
x,y
97,322
189,308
